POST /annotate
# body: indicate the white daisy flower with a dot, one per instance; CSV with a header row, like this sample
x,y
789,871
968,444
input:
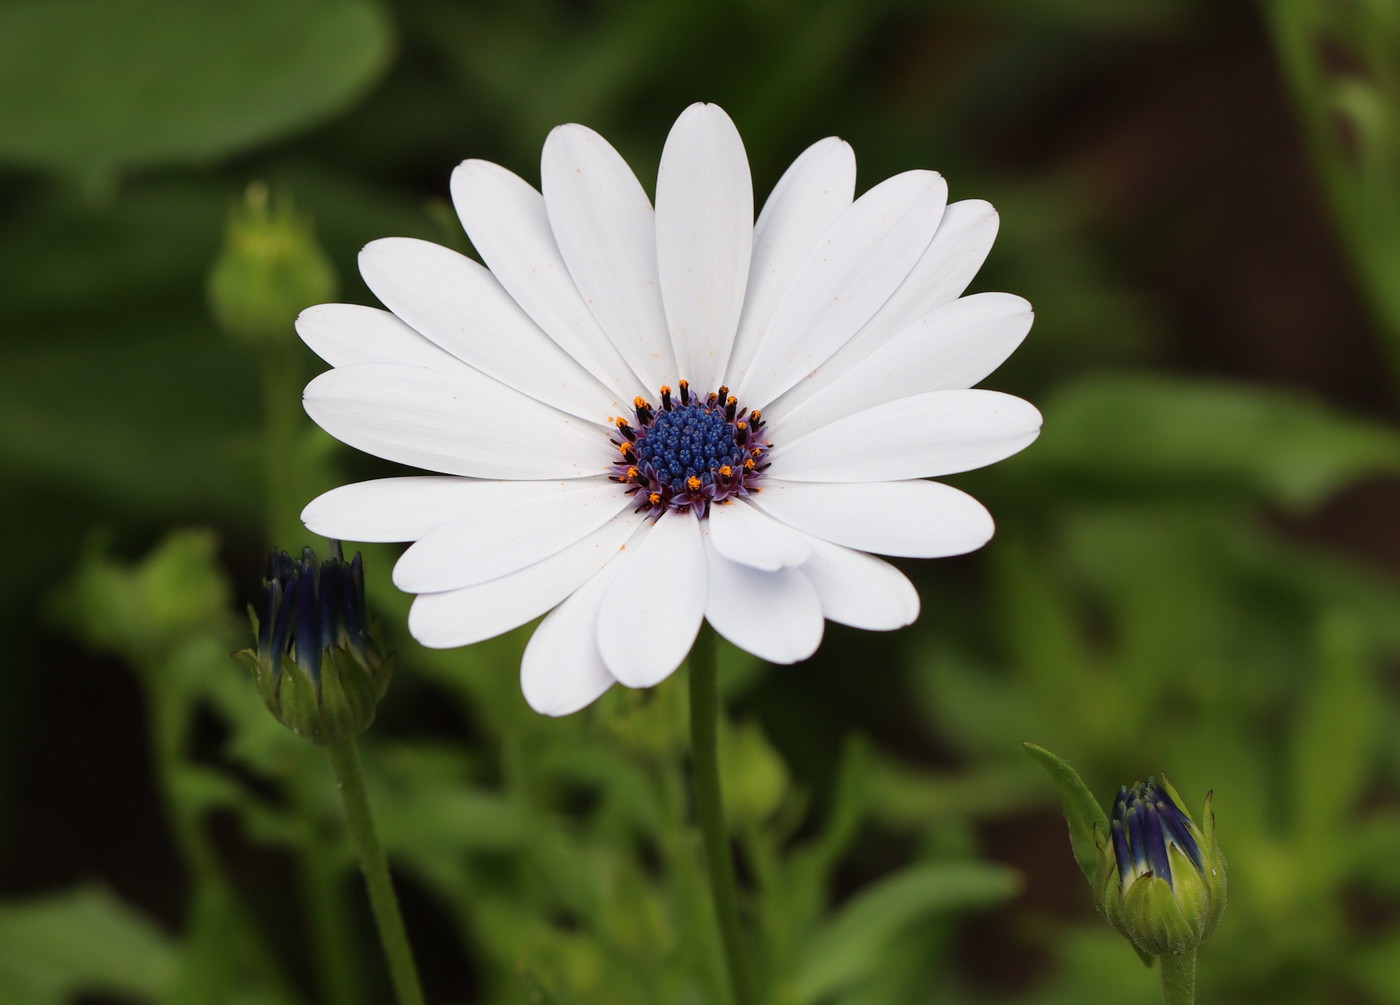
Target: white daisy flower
x,y
643,419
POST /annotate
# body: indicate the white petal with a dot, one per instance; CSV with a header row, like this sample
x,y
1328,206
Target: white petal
x,y
347,334
704,237
844,280
461,307
405,509
749,536
606,232
812,193
958,249
562,670
776,615
914,519
506,220
513,530
954,347
939,433
461,424
462,617
653,612
860,590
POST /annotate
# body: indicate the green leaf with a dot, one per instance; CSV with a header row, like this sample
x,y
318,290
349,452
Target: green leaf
x,y
1136,433
1082,810
756,779
57,947
907,797
850,948
1335,740
1376,967
90,87
175,593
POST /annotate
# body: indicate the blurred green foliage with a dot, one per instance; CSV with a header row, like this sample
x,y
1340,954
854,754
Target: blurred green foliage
x,y
1148,602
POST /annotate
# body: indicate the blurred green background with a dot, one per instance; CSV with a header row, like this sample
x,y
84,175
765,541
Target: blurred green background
x,y
1194,568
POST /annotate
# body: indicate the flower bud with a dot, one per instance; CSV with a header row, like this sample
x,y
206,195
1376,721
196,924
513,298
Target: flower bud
x,y
317,666
270,268
1161,878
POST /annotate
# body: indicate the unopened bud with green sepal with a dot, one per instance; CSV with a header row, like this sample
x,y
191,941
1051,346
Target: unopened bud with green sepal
x,y
1157,876
317,665
270,268
1161,878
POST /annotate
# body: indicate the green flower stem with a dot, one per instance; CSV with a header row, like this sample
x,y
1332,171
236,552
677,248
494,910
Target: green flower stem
x,y
704,722
336,960
1178,978
345,762
285,488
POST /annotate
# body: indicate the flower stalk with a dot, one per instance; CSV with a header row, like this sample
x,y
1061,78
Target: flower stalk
x,y
345,763
1178,978
709,809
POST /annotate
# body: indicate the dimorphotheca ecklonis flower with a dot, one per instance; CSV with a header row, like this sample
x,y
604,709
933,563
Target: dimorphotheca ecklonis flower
x,y
644,418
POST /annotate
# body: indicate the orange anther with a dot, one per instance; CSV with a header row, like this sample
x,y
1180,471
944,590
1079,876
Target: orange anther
x,y
741,425
725,470
639,402
632,474
654,498
666,388
749,464
693,483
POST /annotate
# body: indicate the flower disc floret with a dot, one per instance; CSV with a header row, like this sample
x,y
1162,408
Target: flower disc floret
x,y
690,452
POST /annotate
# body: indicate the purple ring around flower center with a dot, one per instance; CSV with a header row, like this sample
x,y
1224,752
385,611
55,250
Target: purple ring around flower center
x,y
689,453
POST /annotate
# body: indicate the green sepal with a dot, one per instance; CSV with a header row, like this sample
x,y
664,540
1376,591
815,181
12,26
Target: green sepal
x,y
1192,894
1147,958
349,696
1150,917
296,703
1088,824
263,677
249,659
1215,875
1106,893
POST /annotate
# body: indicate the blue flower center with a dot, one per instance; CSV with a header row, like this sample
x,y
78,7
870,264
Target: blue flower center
x,y
689,454
687,442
